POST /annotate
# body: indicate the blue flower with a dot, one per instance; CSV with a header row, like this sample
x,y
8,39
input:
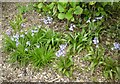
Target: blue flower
x,y
95,40
22,25
63,46
61,51
116,45
32,31
17,43
72,26
8,32
48,20
16,36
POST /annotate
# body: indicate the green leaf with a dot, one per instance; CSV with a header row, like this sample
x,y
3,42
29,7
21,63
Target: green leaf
x,y
60,8
54,10
40,5
67,74
78,10
61,15
92,3
106,74
73,4
68,15
71,10
60,69
73,19
111,75
51,5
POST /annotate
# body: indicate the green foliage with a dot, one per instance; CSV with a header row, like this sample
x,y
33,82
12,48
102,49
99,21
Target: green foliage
x,y
23,9
16,23
78,10
36,46
78,41
42,56
97,58
63,10
111,68
65,65
71,10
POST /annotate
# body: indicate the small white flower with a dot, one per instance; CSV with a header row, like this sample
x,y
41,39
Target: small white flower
x,y
16,40
16,36
71,28
88,21
97,46
112,48
28,43
49,19
74,26
39,26
94,20
22,36
12,38
99,18
22,25
21,30
38,46
35,31
26,49
49,22
32,34
26,32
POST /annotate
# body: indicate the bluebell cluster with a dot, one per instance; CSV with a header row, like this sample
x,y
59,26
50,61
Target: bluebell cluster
x,y
16,38
48,20
72,26
116,46
23,25
9,31
28,43
96,41
61,51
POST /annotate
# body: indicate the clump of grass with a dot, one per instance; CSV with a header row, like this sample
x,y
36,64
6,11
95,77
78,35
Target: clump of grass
x,y
36,46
